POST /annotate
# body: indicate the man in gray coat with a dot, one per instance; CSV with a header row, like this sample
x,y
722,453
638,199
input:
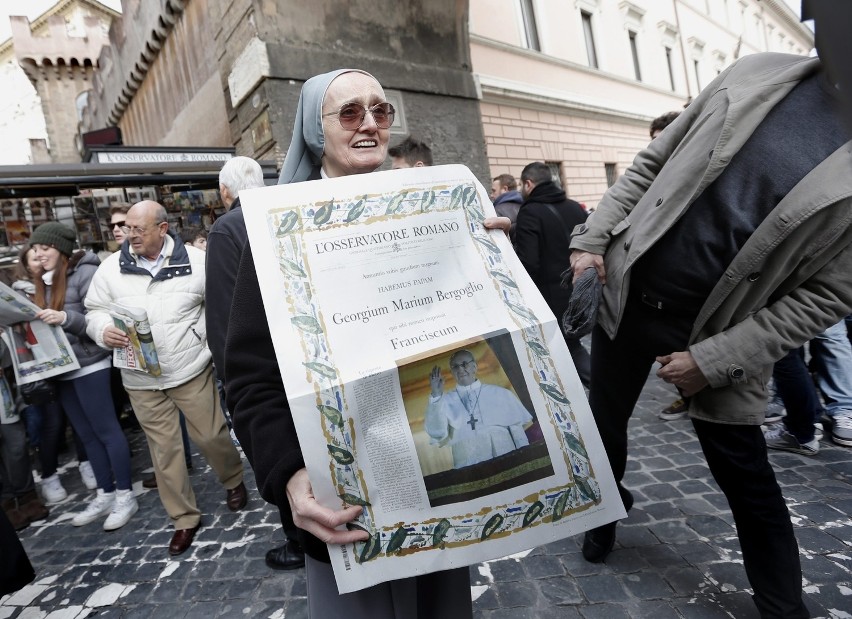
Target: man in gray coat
x,y
725,244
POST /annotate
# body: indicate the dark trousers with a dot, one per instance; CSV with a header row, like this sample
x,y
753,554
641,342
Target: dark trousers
x,y
16,473
736,454
52,435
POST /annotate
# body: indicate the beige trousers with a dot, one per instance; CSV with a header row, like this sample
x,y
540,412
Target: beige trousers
x,y
158,414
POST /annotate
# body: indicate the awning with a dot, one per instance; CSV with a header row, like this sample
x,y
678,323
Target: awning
x,y
69,179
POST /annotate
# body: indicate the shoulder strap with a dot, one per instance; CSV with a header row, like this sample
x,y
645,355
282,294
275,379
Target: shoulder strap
x,y
561,222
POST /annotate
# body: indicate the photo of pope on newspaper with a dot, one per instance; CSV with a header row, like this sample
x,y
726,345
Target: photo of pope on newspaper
x,y
472,421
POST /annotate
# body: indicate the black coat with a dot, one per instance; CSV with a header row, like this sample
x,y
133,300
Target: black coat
x,y
225,245
254,389
542,235
15,568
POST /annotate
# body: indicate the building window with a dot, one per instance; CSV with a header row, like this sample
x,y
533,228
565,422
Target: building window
x,y
555,172
634,50
697,75
530,30
611,174
670,66
589,34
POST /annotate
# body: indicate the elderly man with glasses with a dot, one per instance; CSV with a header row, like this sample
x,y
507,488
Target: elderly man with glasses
x,y
478,421
164,277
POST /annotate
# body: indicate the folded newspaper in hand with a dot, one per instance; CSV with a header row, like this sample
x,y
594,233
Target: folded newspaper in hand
x,y
38,350
141,355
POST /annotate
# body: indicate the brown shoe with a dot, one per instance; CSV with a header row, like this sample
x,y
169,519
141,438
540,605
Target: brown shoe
x,y
16,516
182,540
32,507
150,482
237,498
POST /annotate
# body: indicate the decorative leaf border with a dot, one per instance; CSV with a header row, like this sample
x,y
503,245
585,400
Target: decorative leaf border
x,y
550,504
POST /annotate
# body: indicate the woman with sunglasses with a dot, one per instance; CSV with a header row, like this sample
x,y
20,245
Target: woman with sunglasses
x,y
84,393
342,128
117,217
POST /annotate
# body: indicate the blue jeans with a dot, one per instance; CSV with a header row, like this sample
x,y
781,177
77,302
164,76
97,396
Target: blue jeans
x,y
32,419
88,402
796,389
832,358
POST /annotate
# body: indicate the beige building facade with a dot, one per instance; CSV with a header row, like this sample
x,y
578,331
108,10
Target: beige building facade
x,y
575,83
46,69
494,84
229,72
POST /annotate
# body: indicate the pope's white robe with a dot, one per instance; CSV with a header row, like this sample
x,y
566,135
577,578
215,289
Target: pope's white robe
x,y
497,428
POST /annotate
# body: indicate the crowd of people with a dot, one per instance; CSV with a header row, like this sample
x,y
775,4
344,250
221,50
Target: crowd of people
x,y
724,259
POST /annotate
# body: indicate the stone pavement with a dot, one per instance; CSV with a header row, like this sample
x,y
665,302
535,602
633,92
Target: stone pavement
x,y
677,554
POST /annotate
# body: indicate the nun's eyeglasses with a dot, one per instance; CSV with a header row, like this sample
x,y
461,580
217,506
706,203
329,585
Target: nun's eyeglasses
x,y
351,116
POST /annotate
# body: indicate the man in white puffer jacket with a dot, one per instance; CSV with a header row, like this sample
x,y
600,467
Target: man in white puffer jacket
x,y
166,279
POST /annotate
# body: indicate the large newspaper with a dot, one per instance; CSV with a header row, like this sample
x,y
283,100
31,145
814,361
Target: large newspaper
x,y
428,379
38,350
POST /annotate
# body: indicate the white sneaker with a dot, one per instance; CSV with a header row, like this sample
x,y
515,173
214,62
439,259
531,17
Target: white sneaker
x,y
101,505
52,490
777,437
841,430
124,507
88,475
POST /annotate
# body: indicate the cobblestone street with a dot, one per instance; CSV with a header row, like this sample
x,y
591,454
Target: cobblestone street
x,y
677,554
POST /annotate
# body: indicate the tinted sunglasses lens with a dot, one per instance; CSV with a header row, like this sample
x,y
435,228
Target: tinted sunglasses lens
x,y
383,114
117,224
351,116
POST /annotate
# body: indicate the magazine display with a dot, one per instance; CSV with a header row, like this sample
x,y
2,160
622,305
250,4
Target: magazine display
x,y
38,350
428,380
141,355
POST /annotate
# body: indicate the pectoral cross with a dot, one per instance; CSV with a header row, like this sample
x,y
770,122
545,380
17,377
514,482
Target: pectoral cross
x,y
472,422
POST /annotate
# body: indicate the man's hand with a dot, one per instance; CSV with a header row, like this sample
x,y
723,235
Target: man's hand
x,y
115,338
51,317
436,381
581,260
680,370
320,521
498,223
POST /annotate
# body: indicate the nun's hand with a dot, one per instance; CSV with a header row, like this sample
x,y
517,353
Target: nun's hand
x,y
317,520
498,223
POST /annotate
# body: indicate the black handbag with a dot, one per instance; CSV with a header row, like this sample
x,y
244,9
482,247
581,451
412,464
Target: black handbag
x,y
38,392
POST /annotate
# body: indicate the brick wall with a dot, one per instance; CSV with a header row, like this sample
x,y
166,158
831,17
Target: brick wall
x,y
516,136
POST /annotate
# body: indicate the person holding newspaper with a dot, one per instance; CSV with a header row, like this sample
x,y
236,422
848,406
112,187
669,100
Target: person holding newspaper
x,y
46,421
342,128
85,393
157,277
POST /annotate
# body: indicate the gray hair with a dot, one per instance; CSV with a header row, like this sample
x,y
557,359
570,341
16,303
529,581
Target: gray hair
x,y
240,173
